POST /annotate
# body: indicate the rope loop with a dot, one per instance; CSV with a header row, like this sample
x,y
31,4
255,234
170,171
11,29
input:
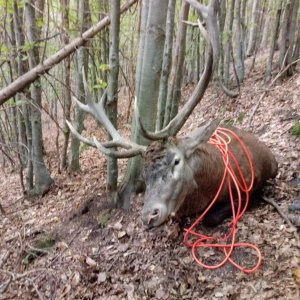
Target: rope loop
x,y
235,180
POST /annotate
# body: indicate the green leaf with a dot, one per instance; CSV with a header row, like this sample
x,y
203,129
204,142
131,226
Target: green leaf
x,y
104,67
295,130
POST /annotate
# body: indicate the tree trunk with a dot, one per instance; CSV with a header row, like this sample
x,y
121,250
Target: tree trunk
x,y
24,113
239,43
174,89
151,56
253,28
292,39
42,179
222,17
228,41
167,63
112,91
67,82
82,65
273,40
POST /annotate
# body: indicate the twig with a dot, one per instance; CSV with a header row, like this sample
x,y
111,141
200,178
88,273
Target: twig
x,y
256,107
2,210
71,241
4,258
284,217
16,276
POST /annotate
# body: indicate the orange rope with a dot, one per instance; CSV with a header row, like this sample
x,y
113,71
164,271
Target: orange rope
x,y
227,244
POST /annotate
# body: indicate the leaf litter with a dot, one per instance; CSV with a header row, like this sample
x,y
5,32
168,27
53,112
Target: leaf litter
x,y
104,253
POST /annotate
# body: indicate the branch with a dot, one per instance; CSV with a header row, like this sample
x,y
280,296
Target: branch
x,y
23,81
284,217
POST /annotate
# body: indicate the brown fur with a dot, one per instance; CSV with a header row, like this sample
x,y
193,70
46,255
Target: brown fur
x,y
208,168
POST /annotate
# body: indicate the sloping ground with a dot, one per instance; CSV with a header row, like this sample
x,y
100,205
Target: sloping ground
x,y
106,254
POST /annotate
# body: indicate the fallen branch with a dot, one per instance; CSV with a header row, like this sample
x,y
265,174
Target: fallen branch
x,y
283,215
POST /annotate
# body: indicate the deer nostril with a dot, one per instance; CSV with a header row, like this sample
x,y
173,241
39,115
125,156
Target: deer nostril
x,y
153,216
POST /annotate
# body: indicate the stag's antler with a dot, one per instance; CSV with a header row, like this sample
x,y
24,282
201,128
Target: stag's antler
x,y
98,111
178,121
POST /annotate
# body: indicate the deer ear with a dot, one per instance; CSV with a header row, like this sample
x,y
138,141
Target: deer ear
x,y
199,135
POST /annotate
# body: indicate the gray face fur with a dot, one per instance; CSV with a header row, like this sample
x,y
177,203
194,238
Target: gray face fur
x,y
169,174
166,183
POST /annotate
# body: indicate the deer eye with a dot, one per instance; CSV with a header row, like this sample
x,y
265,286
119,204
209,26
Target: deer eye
x,y
176,161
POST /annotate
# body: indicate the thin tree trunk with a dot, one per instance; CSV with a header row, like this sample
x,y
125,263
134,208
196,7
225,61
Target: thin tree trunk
x,y
82,65
222,17
228,41
174,89
112,91
167,63
42,179
253,28
239,43
273,41
67,82
266,28
24,111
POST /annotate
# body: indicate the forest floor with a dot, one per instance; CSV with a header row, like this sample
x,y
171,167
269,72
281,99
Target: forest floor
x,y
93,252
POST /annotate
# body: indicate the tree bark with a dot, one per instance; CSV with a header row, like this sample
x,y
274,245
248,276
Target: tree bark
x,y
228,41
174,89
273,41
82,66
166,67
239,43
67,82
150,73
253,28
42,179
112,91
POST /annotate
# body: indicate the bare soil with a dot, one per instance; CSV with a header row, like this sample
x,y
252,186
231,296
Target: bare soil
x,y
104,253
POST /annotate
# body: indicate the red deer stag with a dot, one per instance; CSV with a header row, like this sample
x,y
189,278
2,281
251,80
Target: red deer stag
x,y
182,174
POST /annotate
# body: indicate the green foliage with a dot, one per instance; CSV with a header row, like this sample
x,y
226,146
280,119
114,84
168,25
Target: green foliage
x,y
39,22
241,117
29,46
104,217
104,67
101,84
295,130
83,147
229,121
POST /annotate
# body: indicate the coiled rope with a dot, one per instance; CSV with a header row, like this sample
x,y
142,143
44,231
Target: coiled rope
x,y
234,180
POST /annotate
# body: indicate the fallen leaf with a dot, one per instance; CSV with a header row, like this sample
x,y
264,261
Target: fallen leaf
x,y
89,261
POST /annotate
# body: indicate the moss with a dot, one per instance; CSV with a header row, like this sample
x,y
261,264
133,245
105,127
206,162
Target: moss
x,y
229,121
104,217
83,147
295,130
39,248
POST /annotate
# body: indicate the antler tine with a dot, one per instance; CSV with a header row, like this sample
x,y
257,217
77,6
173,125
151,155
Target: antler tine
x,y
118,154
178,121
97,110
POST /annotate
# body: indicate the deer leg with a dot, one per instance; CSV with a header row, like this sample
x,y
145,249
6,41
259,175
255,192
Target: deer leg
x,y
221,211
217,214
